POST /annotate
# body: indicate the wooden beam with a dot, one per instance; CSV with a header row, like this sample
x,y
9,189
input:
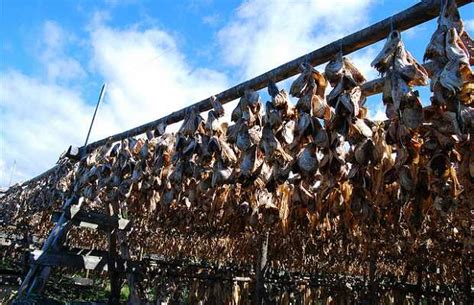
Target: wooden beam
x,y
114,275
95,220
76,261
261,269
37,276
411,17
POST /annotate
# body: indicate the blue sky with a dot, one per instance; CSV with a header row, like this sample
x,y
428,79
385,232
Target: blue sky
x,y
156,57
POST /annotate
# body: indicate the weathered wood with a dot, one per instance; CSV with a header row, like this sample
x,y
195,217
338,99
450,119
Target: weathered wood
x,y
76,261
101,96
419,285
467,281
372,280
413,16
261,268
37,276
122,239
114,276
95,220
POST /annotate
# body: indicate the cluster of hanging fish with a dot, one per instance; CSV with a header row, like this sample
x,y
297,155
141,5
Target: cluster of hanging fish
x,y
28,207
318,166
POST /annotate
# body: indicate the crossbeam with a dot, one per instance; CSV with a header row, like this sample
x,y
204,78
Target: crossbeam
x,y
72,260
94,220
406,19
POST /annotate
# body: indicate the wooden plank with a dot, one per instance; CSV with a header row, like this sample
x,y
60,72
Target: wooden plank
x,y
261,269
72,260
37,276
95,220
114,275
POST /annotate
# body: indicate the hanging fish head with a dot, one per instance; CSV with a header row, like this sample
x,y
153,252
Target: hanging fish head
x,y
383,60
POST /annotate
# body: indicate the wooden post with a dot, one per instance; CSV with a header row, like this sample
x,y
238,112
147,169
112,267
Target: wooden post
x,y
372,280
122,239
37,276
419,282
114,276
25,248
467,281
261,269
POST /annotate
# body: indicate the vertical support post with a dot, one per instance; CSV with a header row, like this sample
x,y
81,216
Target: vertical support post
x,y
37,276
114,276
122,239
419,282
25,249
261,268
372,281
467,281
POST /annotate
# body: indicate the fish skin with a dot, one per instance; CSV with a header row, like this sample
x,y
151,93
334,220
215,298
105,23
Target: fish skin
x,y
450,77
243,138
334,70
383,60
455,49
247,166
288,131
307,160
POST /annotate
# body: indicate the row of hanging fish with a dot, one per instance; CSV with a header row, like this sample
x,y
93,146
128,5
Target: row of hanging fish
x,y
319,165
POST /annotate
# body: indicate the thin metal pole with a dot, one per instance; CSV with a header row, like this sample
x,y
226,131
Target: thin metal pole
x,y
12,172
101,96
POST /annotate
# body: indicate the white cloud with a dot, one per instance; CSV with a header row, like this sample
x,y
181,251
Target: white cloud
x,y
58,65
264,35
39,120
378,114
211,20
147,76
469,25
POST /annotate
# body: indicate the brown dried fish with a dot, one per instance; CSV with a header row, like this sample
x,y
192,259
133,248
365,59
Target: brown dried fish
x,y
272,116
307,160
412,114
191,123
220,173
249,161
218,109
341,66
288,131
386,56
300,85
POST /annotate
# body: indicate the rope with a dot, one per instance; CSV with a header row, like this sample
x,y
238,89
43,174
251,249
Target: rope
x,y
442,4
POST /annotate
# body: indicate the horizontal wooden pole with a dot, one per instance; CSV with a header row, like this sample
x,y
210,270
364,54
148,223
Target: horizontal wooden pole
x,y
96,220
413,16
88,262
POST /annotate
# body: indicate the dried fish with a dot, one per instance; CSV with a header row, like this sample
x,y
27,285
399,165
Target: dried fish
x,y
249,161
218,109
386,56
307,160
220,174
191,123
